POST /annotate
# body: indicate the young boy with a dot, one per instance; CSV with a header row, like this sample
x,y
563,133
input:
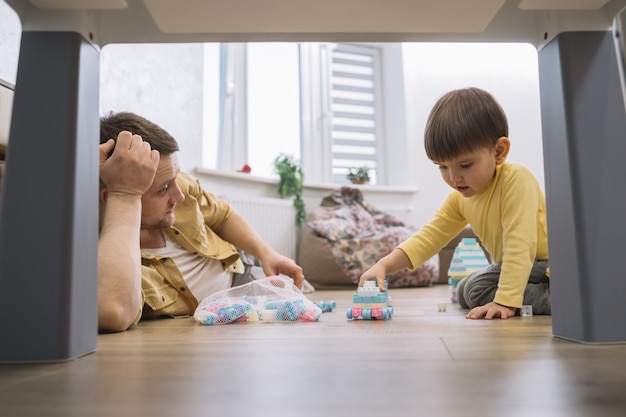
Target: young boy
x,y
466,136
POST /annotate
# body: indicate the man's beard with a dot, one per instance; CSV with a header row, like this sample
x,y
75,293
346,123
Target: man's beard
x,y
158,224
162,223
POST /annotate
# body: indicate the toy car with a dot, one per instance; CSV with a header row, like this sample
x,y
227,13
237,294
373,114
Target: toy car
x,y
369,303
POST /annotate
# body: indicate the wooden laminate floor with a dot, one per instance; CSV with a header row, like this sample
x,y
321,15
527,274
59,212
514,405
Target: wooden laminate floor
x,y
420,363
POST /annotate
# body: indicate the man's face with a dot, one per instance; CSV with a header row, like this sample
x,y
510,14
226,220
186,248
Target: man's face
x,y
158,202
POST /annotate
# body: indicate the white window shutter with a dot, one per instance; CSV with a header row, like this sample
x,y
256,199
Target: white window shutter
x,y
354,103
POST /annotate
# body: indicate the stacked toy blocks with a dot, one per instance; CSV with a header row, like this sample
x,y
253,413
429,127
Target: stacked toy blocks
x,y
369,303
468,258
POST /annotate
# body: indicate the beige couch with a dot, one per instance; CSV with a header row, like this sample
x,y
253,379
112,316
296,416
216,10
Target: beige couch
x,y
345,235
322,271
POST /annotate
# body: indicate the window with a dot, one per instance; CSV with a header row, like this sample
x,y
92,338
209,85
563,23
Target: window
x,y
355,122
318,102
273,102
233,104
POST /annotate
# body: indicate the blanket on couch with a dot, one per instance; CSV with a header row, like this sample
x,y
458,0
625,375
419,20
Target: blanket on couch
x,y
356,235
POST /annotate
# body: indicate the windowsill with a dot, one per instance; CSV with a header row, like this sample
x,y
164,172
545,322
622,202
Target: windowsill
x,y
250,178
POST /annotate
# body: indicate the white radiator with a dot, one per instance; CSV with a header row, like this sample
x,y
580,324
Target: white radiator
x,y
273,219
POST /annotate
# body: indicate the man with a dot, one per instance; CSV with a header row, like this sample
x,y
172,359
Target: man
x,y
164,243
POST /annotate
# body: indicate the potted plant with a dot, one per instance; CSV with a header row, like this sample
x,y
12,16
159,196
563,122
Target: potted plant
x,y
359,175
290,183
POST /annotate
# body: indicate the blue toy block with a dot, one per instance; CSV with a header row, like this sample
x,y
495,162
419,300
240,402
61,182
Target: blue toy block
x,y
468,258
326,307
368,307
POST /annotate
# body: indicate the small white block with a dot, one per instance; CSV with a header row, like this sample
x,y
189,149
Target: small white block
x,y
268,315
366,292
441,307
527,311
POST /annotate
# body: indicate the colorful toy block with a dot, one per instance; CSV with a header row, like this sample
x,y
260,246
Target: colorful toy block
x,y
369,303
468,258
326,306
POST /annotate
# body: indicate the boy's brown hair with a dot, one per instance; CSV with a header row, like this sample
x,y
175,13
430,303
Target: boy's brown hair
x,y
462,121
157,137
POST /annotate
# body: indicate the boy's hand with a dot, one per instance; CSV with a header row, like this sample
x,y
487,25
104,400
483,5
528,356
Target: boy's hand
x,y
490,311
393,262
377,272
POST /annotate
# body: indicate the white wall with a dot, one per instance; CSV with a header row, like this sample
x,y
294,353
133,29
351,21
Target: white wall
x,y
10,36
161,82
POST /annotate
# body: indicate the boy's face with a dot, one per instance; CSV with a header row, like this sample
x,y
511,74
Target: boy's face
x,y
158,203
472,172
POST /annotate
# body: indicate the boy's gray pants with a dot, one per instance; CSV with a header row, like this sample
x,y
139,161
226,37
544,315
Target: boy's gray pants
x,y
480,288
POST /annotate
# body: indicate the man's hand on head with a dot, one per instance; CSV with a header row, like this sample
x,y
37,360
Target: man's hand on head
x,y
131,167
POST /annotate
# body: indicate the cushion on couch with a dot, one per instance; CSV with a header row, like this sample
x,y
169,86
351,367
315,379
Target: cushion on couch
x,y
346,235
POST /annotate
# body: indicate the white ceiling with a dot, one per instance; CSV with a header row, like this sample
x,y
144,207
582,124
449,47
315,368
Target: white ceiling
x,y
561,4
116,21
253,16
80,4
120,4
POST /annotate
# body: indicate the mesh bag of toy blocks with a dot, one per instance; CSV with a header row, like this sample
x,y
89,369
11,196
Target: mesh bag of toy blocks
x,y
271,299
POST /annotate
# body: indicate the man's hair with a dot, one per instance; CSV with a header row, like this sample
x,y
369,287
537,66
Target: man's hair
x,y
463,121
112,124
